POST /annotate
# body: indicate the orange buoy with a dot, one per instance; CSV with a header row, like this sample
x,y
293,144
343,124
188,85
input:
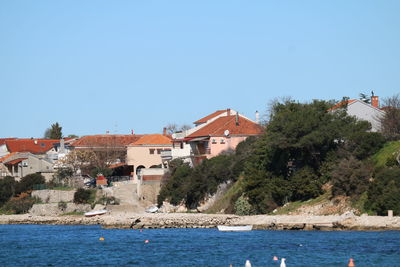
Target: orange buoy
x,y
101,238
146,241
351,263
275,258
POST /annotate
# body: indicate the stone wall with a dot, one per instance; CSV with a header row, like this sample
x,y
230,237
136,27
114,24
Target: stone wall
x,y
54,196
54,209
149,192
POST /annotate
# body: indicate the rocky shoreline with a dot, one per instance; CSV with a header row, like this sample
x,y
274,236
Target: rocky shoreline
x,y
346,221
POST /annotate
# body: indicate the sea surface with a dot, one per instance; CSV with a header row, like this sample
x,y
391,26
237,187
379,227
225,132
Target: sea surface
x,y
45,245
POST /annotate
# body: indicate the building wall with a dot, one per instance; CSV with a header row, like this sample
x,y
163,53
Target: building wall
x,y
223,143
3,150
140,156
366,112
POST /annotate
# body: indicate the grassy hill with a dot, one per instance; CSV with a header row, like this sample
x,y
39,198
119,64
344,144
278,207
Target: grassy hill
x,y
386,154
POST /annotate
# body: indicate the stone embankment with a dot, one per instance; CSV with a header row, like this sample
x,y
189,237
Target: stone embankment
x,y
186,220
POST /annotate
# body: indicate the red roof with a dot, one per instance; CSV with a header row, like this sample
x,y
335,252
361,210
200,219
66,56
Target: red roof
x,y
15,161
7,156
220,125
153,139
3,140
34,146
106,140
342,103
205,119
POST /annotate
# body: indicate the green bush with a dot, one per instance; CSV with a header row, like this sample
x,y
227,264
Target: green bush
x,y
82,196
20,204
28,182
243,207
7,187
384,192
350,178
62,205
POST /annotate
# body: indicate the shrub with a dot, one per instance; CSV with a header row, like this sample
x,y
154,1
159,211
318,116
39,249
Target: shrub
x,y
305,184
350,178
20,204
384,192
7,186
242,206
62,205
27,182
105,200
82,196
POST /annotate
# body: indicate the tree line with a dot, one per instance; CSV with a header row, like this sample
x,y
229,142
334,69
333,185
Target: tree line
x,y
304,146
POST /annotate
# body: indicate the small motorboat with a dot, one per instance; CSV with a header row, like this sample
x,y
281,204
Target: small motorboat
x,y
152,209
241,228
95,213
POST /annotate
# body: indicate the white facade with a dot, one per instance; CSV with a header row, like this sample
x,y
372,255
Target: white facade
x,y
367,112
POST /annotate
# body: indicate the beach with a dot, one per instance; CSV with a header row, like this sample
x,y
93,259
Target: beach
x,y
347,221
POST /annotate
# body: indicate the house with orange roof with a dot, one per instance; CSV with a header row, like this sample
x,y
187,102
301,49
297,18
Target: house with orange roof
x,y
146,152
362,110
109,148
220,131
20,164
33,145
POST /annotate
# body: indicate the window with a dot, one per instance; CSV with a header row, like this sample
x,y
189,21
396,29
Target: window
x,y
159,151
222,141
181,145
151,150
214,141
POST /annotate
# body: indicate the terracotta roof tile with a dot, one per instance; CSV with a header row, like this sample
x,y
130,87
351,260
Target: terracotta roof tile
x,y
3,140
220,125
34,146
2,159
153,139
205,119
105,140
342,103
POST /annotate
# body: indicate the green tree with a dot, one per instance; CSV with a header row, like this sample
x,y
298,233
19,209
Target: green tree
x,y
288,158
28,182
7,187
384,192
54,132
350,177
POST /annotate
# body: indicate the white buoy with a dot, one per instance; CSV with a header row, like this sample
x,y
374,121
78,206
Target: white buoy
x,y
283,264
248,264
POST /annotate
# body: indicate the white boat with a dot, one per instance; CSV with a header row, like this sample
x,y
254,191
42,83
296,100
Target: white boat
x,y
235,228
95,212
152,209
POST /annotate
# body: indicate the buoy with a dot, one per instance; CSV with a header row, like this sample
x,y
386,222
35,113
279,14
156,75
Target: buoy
x,y
146,241
248,264
101,238
351,263
283,264
275,258
141,230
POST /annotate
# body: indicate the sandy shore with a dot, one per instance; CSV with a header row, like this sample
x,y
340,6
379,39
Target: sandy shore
x,y
187,220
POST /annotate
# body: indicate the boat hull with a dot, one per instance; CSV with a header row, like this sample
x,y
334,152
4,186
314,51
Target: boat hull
x,y
95,213
239,228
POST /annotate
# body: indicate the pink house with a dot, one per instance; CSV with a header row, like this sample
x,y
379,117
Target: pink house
x,y
221,134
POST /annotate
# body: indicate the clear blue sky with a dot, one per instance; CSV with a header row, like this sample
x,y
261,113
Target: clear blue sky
x,y
97,65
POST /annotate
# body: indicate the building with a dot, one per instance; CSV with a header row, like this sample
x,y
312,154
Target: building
x,y
218,132
364,111
146,153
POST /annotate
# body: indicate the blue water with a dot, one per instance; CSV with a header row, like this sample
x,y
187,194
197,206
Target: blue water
x,y
43,245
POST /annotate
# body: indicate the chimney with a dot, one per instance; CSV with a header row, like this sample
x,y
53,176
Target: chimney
x,y
257,117
228,110
237,118
164,131
375,101
62,146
